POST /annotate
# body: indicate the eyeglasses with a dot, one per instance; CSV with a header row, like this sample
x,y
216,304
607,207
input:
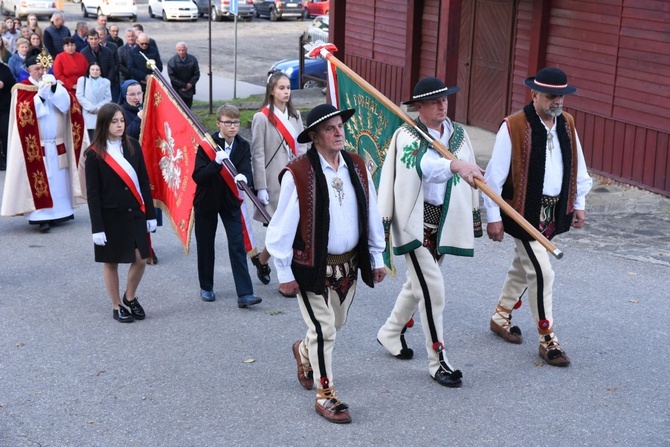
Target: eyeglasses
x,y
229,123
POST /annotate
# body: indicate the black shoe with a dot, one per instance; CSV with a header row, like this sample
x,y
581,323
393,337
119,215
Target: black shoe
x,y
135,308
45,227
122,315
451,379
154,258
247,300
262,270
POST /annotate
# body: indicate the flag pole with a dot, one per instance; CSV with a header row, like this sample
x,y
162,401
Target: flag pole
x,y
323,50
206,136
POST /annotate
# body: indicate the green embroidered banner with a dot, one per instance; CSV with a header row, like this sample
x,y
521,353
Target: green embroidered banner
x,y
370,130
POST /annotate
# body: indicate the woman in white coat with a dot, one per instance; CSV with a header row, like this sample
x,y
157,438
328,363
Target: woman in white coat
x,y
275,129
93,91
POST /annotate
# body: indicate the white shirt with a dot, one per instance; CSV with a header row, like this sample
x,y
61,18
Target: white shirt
x,y
501,159
435,169
343,218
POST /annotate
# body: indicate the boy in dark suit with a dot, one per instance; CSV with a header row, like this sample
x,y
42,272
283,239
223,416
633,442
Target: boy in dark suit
x,y
213,197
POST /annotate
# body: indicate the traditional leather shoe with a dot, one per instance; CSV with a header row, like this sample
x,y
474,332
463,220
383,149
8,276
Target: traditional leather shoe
x,y
450,379
45,227
554,356
135,308
306,380
247,300
207,295
405,353
333,411
511,336
122,315
262,270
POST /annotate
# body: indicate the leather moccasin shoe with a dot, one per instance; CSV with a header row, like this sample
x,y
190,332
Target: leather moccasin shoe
x,y
334,411
247,300
511,336
262,270
207,295
122,315
306,380
405,353
554,357
135,308
450,379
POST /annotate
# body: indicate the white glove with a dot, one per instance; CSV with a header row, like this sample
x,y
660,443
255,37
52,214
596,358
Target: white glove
x,y
240,178
220,156
151,225
99,239
263,196
44,90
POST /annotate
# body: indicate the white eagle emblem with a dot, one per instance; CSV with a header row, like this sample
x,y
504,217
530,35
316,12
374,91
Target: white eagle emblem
x,y
169,162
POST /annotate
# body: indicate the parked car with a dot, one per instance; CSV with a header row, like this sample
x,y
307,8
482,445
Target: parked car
x,y
173,9
318,30
316,67
110,8
278,10
313,8
21,8
220,9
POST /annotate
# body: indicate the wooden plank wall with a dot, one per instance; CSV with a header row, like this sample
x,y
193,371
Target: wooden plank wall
x,y
430,21
617,52
375,39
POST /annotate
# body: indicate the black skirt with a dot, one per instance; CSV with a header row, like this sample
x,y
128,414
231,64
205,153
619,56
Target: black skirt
x,y
125,229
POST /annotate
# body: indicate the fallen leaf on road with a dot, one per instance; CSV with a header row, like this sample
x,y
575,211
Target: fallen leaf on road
x,y
102,371
20,345
612,388
540,363
249,361
634,301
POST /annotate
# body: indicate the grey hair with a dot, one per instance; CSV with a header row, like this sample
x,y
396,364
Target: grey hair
x,y
181,43
56,15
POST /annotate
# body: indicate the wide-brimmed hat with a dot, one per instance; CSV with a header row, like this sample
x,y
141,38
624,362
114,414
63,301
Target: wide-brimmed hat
x,y
320,114
550,80
430,88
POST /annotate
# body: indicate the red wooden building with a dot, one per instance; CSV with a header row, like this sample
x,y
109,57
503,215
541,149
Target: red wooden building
x,y
617,52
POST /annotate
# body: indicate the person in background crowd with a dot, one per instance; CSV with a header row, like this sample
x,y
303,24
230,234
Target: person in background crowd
x,y
25,32
124,54
325,229
93,91
121,209
6,84
81,36
184,73
54,34
429,209
36,41
17,63
4,52
69,65
42,188
140,29
114,76
95,52
274,143
137,60
101,20
10,35
538,167
114,36
34,25
214,199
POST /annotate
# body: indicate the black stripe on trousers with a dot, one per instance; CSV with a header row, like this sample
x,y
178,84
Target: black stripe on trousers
x,y
319,333
539,280
426,297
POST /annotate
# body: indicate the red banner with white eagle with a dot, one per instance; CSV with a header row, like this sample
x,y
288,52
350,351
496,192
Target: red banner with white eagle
x,y
170,142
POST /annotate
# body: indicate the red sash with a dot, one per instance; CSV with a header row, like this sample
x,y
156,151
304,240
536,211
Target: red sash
x,y
33,154
290,139
116,167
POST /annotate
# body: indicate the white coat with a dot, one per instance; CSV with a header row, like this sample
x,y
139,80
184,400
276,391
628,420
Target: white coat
x,y
91,100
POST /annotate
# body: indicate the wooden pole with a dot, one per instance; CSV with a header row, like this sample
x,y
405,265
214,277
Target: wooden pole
x,y
437,144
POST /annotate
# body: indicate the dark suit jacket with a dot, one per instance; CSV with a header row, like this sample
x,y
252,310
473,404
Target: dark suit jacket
x,y
79,41
212,193
105,58
137,64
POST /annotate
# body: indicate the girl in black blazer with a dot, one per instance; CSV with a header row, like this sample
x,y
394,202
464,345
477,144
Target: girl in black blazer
x,y
121,208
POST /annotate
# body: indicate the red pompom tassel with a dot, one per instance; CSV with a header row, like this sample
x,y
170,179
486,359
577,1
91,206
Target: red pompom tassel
x,y
438,346
325,383
518,304
543,325
410,323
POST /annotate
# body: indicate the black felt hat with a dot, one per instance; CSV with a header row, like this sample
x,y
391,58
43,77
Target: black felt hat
x,y
550,80
38,56
31,56
320,114
430,88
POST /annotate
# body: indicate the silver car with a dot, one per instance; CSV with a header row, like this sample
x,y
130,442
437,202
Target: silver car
x,y
22,8
220,9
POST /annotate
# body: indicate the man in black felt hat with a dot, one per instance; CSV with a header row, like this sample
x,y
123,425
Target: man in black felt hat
x,y
429,209
538,167
45,137
325,229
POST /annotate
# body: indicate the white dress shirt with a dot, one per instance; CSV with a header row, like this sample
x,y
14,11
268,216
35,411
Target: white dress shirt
x,y
435,169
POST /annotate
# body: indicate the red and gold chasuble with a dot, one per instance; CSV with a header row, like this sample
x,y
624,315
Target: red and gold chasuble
x,y
29,135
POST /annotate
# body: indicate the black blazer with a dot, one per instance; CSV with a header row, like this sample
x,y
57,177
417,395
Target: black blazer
x,y
212,193
106,190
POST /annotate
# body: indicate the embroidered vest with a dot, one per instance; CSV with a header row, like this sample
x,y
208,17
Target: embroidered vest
x,y
310,246
523,188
